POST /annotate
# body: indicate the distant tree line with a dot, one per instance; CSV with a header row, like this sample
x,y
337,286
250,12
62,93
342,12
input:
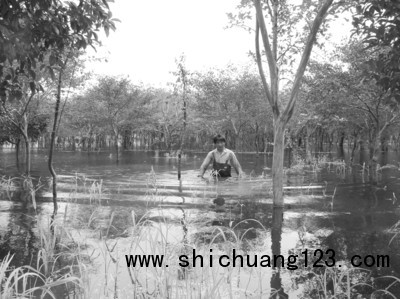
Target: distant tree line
x,y
339,104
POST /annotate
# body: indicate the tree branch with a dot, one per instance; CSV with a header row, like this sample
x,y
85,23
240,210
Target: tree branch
x,y
260,68
369,109
27,104
304,59
264,35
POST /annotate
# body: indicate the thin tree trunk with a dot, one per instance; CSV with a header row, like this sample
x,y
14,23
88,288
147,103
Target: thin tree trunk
x,y
27,145
308,146
182,72
116,144
52,141
17,153
341,142
321,140
256,140
374,149
27,156
330,138
354,148
277,163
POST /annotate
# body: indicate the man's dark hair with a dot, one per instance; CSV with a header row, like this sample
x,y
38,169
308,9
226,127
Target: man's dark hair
x,y
219,138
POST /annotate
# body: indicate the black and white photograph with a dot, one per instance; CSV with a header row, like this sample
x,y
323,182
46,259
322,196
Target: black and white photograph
x,y
214,149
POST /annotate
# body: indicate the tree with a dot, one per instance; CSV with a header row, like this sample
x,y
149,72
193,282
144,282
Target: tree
x,y
349,98
379,103
158,117
322,105
16,112
164,111
230,101
116,97
377,22
84,117
32,30
47,34
181,90
282,19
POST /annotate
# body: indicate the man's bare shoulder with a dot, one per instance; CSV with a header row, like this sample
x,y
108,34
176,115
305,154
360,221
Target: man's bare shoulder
x,y
230,152
211,152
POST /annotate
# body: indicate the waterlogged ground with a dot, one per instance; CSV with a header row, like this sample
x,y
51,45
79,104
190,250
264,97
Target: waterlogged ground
x,y
139,207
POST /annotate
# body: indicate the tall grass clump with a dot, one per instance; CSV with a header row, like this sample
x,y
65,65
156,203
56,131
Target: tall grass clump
x,y
8,186
45,280
347,282
171,280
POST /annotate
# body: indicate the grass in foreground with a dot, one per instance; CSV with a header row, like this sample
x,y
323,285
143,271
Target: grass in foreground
x,y
90,263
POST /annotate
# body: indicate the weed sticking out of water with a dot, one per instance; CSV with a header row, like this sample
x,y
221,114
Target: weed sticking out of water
x,y
30,189
340,282
329,199
15,282
96,267
115,280
364,170
152,191
44,279
396,230
300,165
96,192
8,186
23,186
175,281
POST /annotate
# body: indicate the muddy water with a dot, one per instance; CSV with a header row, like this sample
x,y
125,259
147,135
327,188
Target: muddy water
x,y
336,209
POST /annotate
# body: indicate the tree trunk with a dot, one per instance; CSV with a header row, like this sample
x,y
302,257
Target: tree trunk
x,y
116,144
27,145
362,145
374,149
183,79
341,142
321,140
272,89
27,156
256,139
277,163
354,148
52,141
330,140
265,140
308,146
17,153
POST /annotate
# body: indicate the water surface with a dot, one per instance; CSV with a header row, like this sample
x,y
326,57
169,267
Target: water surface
x,y
359,219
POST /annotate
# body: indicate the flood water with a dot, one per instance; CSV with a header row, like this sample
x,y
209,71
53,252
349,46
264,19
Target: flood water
x,y
339,210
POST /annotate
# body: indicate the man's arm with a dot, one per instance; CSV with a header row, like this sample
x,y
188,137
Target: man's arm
x,y
236,164
205,164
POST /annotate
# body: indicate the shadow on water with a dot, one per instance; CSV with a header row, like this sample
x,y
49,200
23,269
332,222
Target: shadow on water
x,y
18,233
343,212
276,237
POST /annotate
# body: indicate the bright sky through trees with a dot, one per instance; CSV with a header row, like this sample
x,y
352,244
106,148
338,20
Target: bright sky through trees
x,y
153,33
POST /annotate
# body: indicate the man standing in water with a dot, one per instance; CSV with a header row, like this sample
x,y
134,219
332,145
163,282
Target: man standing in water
x,y
223,159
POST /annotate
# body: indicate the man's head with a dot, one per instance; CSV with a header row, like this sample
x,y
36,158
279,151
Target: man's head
x,y
220,142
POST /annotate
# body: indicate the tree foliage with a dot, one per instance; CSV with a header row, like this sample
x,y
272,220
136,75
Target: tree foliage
x,y
379,24
35,34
